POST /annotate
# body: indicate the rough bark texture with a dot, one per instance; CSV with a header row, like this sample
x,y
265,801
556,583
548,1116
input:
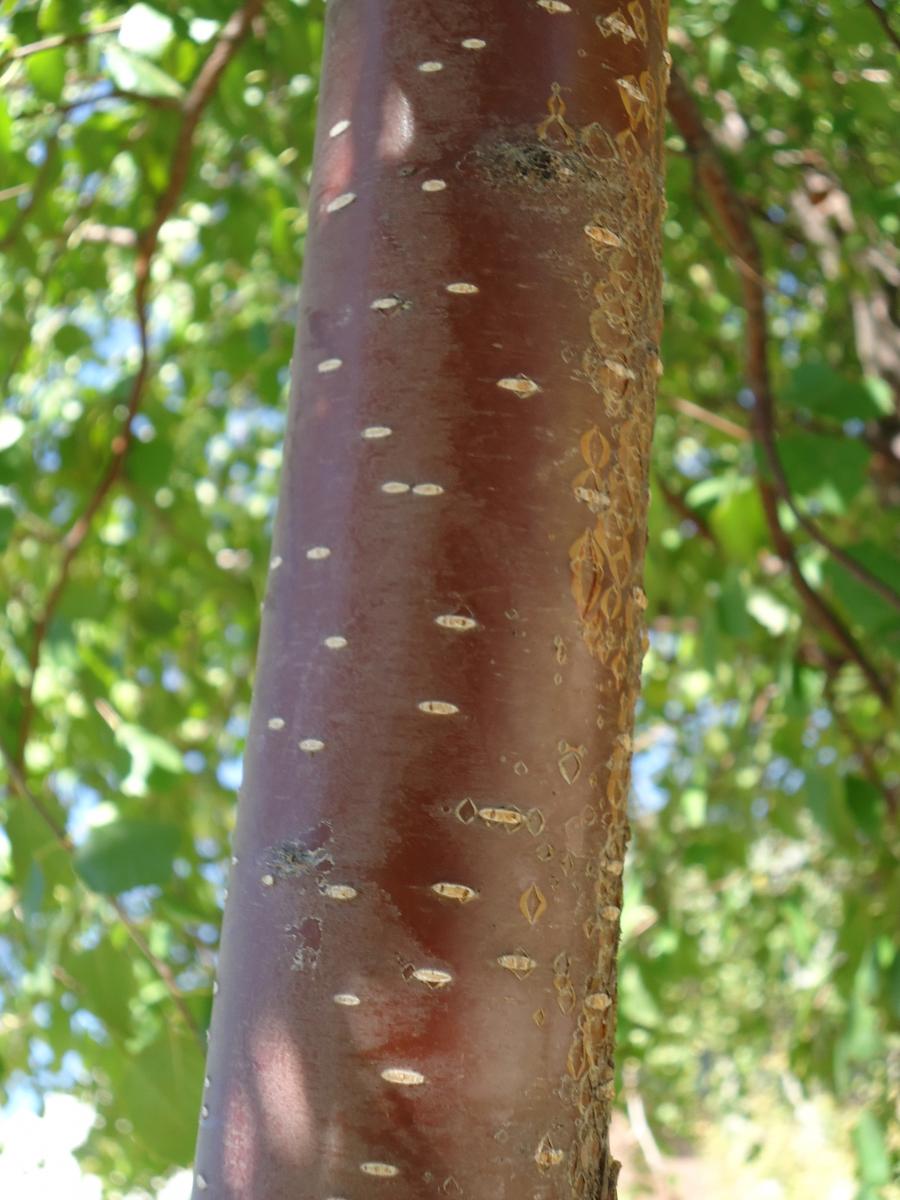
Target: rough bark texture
x,y
418,979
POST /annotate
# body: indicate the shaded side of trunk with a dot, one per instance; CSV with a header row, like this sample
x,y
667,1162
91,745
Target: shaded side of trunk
x,y
418,979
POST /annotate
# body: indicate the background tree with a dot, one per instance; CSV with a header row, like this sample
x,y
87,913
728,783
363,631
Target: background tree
x,y
138,478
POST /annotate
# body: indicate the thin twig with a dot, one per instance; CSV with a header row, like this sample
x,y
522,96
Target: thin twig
x,y
643,1134
56,110
37,189
885,22
14,192
733,215
59,39
200,94
714,420
162,969
679,505
734,218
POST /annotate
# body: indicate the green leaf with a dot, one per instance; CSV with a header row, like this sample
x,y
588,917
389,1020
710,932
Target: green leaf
x,y
865,803
7,522
864,606
829,469
816,388
739,523
160,1094
731,607
693,805
5,127
47,72
126,854
871,1150
105,982
148,752
150,463
70,339
132,73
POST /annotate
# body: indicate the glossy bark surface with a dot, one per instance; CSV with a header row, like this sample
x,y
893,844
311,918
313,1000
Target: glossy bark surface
x,y
417,981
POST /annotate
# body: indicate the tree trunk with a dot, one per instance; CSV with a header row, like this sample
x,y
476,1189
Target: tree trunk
x,y
418,976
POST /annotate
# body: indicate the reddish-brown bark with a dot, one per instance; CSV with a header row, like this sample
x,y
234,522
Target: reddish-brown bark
x,y
418,962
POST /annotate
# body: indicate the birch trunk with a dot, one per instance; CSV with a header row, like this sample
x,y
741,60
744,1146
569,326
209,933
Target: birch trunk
x,y
418,969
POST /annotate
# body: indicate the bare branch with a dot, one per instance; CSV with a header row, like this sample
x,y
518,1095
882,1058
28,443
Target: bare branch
x,y
37,190
12,193
885,22
680,506
735,220
55,110
714,420
59,39
200,94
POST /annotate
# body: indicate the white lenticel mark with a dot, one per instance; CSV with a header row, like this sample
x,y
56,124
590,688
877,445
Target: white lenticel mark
x,y
432,976
554,6
473,43
428,489
346,999
403,1075
394,487
329,364
455,621
338,128
383,1170
434,185
312,745
339,891
428,68
462,289
276,722
454,891
339,202
373,432
268,880
385,303
335,642
318,552
441,708
276,562
520,384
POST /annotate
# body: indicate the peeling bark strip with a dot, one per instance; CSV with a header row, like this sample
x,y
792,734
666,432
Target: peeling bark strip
x,y
418,978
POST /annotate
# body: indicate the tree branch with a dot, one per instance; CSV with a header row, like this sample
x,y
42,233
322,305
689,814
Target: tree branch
x,y
200,94
714,420
59,39
747,257
162,969
680,506
745,251
56,110
885,22
37,189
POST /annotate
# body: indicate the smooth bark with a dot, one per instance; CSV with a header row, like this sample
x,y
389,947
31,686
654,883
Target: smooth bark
x,y
417,978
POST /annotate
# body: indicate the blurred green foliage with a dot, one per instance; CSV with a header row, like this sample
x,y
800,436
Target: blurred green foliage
x,y
761,919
